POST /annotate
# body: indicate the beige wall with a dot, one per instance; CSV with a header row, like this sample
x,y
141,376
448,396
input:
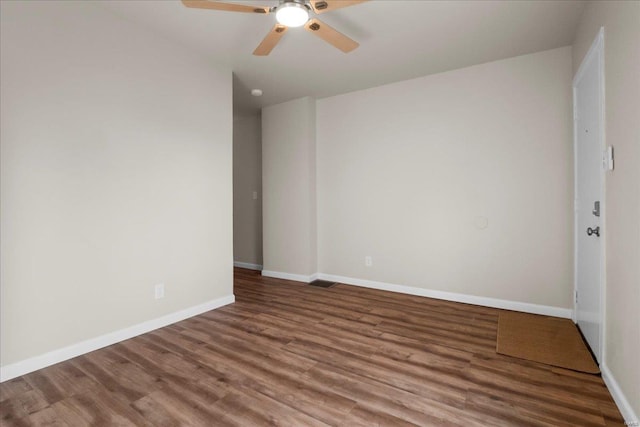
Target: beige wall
x,y
410,173
247,180
289,187
116,175
621,21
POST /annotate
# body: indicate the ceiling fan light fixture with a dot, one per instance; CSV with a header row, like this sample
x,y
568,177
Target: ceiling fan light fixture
x,y
292,14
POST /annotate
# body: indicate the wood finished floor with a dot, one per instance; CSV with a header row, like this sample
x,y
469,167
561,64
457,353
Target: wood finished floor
x,y
295,355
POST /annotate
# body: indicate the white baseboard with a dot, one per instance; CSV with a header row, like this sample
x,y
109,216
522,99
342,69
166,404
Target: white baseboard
x,y
51,358
451,296
247,265
624,406
290,276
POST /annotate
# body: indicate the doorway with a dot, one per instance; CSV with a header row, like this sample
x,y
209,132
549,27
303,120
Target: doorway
x,y
247,190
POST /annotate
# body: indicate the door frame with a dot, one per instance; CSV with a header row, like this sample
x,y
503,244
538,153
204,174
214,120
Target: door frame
x,y
595,53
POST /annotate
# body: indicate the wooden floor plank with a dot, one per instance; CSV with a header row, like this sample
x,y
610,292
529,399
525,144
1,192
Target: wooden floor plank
x,y
13,387
291,354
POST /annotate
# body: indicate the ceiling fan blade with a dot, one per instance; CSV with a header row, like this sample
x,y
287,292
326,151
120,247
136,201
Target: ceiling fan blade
x,y
321,6
229,7
330,35
271,40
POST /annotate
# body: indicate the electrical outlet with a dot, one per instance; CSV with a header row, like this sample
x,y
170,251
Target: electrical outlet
x,y
368,261
158,291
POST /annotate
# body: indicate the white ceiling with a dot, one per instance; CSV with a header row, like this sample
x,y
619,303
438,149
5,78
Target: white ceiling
x,y
398,40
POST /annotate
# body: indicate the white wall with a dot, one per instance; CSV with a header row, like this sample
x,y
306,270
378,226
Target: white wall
x,y
247,179
409,174
289,187
622,97
116,175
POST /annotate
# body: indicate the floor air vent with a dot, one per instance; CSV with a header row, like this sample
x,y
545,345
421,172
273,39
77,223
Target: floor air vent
x,y
322,283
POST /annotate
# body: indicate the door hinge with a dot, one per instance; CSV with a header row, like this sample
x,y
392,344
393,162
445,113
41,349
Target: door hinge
x,y
576,296
607,159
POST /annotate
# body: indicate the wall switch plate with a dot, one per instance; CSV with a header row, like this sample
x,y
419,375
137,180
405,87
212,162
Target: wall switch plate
x,y
255,195
368,261
158,291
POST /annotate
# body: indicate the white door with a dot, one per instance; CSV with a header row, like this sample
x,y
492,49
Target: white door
x,y
589,203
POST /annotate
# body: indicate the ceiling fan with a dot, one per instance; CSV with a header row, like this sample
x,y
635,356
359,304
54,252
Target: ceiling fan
x,y
290,13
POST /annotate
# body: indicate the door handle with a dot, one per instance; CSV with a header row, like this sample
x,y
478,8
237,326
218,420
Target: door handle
x,y
591,231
